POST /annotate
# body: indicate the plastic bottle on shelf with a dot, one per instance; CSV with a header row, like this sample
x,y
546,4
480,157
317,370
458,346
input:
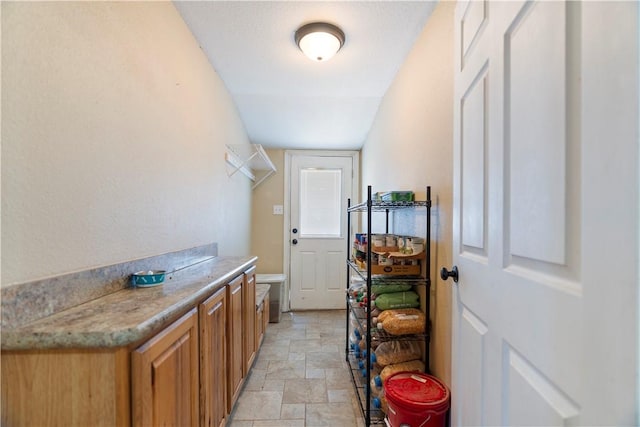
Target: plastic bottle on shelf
x,y
353,338
373,355
354,342
362,363
363,343
380,402
357,290
374,372
377,380
376,386
356,352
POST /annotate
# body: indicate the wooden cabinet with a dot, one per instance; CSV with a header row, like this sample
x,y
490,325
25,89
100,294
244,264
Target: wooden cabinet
x,y
259,328
213,347
265,317
235,360
267,314
71,388
262,319
249,320
188,374
165,381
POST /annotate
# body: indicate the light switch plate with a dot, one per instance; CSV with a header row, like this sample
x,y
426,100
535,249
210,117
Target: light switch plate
x,y
278,210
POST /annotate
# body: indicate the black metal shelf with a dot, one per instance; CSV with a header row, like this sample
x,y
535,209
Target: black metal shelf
x,y
382,335
361,383
416,280
381,206
376,416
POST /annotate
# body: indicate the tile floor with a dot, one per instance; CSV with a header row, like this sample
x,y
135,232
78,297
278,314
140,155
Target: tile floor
x,y
300,377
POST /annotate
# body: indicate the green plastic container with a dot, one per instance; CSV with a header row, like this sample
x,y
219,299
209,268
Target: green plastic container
x,y
397,196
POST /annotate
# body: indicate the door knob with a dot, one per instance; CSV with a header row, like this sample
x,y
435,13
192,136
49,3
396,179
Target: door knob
x,y
294,241
444,274
294,231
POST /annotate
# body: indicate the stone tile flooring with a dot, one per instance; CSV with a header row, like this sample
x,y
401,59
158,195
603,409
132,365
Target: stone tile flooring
x,y
300,377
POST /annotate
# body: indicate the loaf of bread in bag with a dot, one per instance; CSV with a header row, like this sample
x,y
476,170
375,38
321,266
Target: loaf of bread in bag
x,y
411,366
392,352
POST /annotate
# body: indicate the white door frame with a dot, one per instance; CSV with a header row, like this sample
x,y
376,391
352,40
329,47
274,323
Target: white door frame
x,y
355,191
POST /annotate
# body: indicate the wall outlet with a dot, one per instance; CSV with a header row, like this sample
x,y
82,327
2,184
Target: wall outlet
x,y
278,210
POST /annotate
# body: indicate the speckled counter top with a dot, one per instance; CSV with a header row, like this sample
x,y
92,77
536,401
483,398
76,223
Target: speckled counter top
x,y
126,316
262,290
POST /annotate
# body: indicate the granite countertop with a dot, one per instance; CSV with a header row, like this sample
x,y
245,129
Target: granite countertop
x,y
262,289
128,315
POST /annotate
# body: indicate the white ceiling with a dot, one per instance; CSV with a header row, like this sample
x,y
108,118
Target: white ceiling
x,y
288,101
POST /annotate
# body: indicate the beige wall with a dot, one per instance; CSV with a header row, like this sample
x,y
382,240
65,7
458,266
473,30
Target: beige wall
x,y
113,133
266,228
410,147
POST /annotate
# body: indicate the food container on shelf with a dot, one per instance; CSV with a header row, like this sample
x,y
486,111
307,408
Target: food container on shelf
x,y
417,248
378,240
397,196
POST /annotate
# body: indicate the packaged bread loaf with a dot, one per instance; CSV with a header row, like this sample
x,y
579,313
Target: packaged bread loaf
x,y
404,324
411,366
392,352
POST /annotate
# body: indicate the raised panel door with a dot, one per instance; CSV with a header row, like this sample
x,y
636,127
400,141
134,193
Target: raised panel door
x,y
320,183
249,318
66,387
165,376
259,325
235,360
266,313
545,207
262,319
213,346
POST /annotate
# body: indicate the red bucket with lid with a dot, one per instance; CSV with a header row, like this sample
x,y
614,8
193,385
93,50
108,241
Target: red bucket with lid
x,y
416,400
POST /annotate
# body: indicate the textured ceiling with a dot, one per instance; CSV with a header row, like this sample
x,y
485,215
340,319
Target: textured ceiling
x,y
288,101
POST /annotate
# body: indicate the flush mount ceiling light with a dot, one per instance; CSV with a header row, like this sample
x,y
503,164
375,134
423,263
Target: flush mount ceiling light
x,y
319,40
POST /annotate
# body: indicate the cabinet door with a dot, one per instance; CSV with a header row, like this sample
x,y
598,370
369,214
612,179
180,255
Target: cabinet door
x,y
165,376
66,387
265,316
249,296
213,382
262,320
235,361
259,325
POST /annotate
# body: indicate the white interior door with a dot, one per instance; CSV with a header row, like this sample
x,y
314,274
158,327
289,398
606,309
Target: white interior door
x,y
319,188
545,316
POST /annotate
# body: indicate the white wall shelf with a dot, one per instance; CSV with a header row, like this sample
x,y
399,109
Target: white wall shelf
x,y
251,160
